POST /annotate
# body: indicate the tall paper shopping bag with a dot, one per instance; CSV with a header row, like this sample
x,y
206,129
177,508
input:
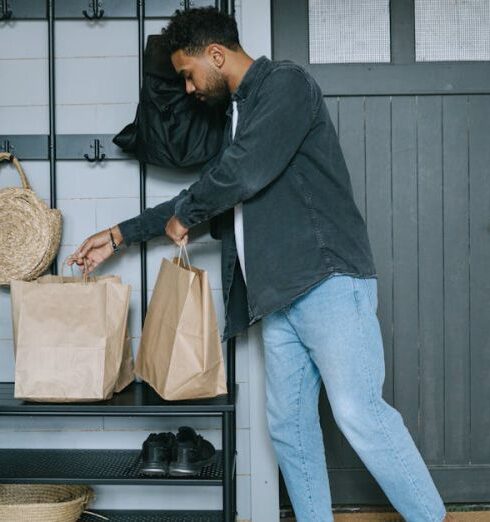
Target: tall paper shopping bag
x,y
180,353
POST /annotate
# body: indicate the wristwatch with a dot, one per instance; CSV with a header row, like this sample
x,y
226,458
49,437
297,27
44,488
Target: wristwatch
x,y
115,248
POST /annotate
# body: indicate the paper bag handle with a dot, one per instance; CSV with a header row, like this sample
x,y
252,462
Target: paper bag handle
x,y
85,276
97,515
182,246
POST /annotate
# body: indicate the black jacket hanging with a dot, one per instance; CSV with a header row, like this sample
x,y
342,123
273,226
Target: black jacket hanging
x,y
171,128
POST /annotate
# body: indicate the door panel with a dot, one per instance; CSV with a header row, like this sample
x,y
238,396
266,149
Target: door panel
x,y
479,261
420,171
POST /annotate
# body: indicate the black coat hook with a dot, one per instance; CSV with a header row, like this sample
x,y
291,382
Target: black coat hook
x,y
6,13
96,14
97,156
7,147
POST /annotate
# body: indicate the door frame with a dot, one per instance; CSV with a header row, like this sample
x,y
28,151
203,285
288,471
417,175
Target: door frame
x,y
403,76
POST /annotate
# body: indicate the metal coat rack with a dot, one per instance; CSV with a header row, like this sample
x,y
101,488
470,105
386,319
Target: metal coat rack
x,y
94,148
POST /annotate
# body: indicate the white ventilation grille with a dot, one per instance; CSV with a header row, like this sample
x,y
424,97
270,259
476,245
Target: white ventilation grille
x,y
349,31
452,30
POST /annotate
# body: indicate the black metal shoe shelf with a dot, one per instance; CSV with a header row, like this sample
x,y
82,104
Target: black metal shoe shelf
x,y
111,466
78,466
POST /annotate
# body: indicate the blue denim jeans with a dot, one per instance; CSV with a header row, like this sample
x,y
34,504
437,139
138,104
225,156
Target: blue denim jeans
x,y
332,334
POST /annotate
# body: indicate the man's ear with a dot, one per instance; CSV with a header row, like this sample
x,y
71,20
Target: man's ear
x,y
217,55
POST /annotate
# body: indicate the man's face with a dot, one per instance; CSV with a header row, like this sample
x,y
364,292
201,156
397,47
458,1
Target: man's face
x,y
203,79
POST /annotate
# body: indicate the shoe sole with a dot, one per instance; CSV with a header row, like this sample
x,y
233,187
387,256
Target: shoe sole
x,y
176,469
155,469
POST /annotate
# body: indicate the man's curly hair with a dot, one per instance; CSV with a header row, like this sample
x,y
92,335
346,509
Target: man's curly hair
x,y
193,30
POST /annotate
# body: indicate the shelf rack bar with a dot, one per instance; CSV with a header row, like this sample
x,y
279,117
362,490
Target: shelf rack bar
x,y
142,166
228,461
52,118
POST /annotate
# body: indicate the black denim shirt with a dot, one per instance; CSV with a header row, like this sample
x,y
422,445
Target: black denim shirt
x,y
285,164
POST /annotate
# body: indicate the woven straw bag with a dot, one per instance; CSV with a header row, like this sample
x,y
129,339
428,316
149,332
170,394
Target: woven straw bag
x,y
44,502
30,232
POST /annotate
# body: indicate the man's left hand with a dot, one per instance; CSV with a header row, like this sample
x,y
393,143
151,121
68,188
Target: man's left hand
x,y
176,231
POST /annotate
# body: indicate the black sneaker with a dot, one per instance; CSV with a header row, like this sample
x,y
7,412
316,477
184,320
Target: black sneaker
x,y
190,453
156,453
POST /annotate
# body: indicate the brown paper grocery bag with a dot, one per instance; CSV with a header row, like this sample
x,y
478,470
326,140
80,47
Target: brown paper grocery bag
x,y
180,352
126,371
70,338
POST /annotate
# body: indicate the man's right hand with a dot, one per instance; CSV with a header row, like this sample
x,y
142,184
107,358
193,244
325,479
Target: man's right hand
x,y
95,249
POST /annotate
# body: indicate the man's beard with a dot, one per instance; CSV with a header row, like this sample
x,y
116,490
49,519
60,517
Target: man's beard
x,y
217,92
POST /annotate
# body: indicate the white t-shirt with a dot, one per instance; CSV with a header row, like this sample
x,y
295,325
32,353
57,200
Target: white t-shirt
x,y
238,208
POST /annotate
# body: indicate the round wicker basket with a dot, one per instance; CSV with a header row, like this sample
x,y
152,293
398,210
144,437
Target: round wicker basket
x,y
43,502
30,233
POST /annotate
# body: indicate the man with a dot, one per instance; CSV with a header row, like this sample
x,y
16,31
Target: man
x,y
295,254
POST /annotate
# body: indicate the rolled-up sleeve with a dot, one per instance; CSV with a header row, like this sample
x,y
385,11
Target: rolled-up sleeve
x,y
261,150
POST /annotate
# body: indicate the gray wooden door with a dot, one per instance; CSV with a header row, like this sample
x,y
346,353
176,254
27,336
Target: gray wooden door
x,y
416,137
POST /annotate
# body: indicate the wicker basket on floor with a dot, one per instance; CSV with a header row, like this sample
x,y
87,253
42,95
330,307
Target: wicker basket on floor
x,y
43,502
